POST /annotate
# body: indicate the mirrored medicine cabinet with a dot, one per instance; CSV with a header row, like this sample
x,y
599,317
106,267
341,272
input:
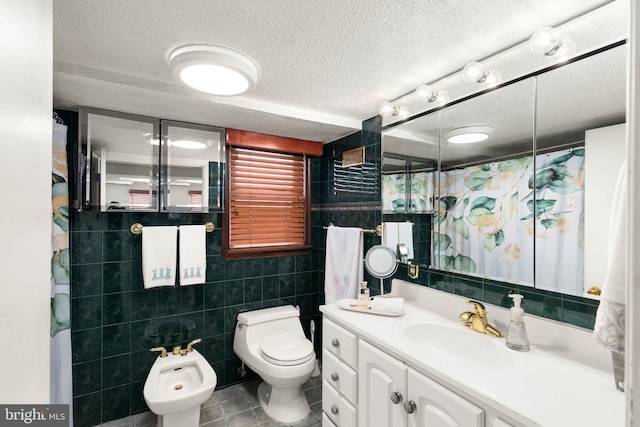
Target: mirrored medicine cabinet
x,y
530,204
131,163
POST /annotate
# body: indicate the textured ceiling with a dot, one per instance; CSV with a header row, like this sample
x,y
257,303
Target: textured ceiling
x,y
324,66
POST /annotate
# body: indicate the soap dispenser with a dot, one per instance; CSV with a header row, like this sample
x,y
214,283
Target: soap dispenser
x,y
517,338
364,296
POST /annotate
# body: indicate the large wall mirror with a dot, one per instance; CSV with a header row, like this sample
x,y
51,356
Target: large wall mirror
x,y
527,203
135,163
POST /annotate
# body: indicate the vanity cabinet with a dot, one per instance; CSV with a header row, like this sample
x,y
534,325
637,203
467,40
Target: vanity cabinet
x,y
363,386
392,394
339,376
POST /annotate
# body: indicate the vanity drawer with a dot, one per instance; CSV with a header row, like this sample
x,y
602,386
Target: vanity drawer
x,y
340,376
339,342
337,408
326,421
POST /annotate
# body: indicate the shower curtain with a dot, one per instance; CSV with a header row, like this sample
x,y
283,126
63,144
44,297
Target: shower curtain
x,y
487,220
60,360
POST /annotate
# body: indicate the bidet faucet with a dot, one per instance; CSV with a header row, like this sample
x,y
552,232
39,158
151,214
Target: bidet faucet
x,y
192,343
478,320
160,349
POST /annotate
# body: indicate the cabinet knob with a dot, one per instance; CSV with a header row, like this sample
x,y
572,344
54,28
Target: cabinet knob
x,y
396,397
334,376
409,407
334,409
335,342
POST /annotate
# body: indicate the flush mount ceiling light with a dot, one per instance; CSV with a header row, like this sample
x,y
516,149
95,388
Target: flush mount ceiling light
x,y
546,41
214,69
476,72
468,134
188,144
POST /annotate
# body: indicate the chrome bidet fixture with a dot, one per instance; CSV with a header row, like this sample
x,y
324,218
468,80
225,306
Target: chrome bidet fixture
x,y
478,320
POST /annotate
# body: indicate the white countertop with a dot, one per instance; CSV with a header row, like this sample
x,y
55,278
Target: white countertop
x,y
544,386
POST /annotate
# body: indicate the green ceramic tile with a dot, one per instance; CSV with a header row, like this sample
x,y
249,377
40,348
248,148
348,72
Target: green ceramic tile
x,y
213,348
214,295
252,290
192,326
541,303
192,298
234,292
144,304
86,247
87,410
169,301
116,403
86,279
116,277
117,308
234,270
116,339
116,221
87,377
287,285
579,311
86,312
214,322
116,370
138,403
215,269
303,283
86,345
141,362
144,335
270,287
170,330
253,268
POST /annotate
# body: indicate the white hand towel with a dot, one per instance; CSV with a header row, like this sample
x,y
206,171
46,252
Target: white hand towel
x,y
193,254
344,269
388,305
405,235
609,329
159,247
390,236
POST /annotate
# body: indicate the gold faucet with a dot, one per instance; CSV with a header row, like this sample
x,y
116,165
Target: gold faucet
x,y
478,320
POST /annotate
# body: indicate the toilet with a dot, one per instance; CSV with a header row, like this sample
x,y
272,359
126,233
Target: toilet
x,y
272,343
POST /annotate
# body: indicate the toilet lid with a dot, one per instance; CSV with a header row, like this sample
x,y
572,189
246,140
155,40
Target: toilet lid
x,y
286,349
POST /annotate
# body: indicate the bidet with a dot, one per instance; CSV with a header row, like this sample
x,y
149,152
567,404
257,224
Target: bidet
x,y
177,386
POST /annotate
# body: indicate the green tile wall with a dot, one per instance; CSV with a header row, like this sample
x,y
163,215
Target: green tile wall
x,y
115,321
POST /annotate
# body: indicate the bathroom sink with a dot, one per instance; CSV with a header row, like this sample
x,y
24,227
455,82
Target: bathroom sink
x,y
458,344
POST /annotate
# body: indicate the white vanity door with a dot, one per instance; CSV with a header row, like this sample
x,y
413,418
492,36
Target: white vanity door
x,y
379,377
437,406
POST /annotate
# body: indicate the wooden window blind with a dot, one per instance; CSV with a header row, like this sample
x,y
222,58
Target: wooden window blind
x,y
267,206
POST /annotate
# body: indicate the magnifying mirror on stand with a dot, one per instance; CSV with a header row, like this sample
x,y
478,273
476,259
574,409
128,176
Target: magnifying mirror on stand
x,y
381,263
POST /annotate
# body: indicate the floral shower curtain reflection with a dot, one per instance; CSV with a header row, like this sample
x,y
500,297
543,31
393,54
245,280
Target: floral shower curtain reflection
x,y
61,384
485,219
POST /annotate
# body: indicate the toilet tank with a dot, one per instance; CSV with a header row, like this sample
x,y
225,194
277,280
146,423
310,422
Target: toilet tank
x,y
255,317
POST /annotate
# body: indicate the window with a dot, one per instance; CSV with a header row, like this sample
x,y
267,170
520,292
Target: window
x,y
142,199
267,202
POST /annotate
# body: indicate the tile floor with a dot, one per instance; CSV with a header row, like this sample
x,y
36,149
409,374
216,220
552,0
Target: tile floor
x,y
237,406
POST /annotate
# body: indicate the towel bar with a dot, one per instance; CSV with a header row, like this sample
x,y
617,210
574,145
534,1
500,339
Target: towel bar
x,y
377,230
136,227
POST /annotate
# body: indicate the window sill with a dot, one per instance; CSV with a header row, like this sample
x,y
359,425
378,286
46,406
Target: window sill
x,y
252,253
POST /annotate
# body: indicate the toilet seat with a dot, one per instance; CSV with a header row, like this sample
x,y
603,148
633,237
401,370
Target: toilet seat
x,y
286,349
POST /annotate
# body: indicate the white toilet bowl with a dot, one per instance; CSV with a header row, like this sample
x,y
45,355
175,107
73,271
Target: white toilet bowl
x,y
272,343
177,386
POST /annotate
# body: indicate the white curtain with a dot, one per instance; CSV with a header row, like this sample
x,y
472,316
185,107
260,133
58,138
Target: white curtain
x,y
61,391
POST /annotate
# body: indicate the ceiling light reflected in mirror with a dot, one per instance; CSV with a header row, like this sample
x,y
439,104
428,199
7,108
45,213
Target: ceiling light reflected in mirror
x,y
468,134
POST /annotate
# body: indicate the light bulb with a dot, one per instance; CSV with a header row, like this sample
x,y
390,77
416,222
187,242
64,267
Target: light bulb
x,y
494,77
474,72
545,41
403,111
425,93
387,109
